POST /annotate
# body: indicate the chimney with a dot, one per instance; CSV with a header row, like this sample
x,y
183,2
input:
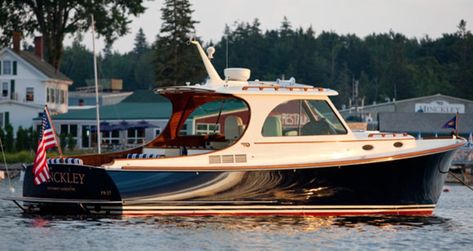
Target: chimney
x,y
16,41
38,47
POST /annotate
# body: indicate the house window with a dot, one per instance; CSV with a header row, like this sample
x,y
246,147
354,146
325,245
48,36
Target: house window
x,y
111,137
51,95
29,94
206,129
4,89
183,130
136,136
61,96
7,67
69,129
56,96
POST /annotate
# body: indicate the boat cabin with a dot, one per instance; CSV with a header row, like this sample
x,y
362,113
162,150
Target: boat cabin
x,y
246,123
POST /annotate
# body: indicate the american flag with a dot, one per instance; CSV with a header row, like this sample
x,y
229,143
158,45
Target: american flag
x,y
47,140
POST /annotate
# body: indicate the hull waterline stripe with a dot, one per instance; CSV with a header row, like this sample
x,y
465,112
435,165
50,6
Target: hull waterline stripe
x,y
272,207
276,212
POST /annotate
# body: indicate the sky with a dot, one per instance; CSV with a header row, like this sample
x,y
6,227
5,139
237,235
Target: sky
x,y
413,18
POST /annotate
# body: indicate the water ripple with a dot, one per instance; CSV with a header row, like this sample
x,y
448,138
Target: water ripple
x,y
450,228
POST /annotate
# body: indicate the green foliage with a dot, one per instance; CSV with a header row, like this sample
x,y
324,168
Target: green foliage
x,y
77,64
19,157
9,142
141,45
22,139
63,141
58,18
387,65
176,63
2,137
71,142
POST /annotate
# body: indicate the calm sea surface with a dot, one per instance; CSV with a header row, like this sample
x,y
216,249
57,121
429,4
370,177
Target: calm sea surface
x,y
451,228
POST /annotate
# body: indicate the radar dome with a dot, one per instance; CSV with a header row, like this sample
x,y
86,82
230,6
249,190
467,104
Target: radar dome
x,y
237,74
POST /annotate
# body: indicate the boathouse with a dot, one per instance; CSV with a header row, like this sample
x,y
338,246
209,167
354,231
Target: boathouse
x,y
423,116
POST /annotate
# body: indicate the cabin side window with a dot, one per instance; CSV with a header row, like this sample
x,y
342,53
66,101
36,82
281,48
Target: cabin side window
x,y
302,118
224,117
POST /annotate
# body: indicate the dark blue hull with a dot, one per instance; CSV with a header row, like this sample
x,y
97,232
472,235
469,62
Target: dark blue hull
x,y
404,186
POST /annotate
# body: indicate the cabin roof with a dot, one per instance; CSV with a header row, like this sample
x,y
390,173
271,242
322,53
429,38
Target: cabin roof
x,y
252,88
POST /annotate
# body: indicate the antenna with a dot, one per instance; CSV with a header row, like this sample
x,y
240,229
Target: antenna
x,y
226,52
213,75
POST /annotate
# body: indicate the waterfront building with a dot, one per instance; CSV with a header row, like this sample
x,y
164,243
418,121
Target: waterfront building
x,y
27,83
418,116
110,93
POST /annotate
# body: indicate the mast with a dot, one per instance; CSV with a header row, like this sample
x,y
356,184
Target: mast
x,y
213,75
99,136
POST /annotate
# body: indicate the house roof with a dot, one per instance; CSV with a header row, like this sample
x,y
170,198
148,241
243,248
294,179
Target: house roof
x,y
143,104
147,96
42,66
438,95
121,111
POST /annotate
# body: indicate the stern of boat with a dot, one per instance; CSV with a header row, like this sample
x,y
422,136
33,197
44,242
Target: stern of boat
x,y
70,189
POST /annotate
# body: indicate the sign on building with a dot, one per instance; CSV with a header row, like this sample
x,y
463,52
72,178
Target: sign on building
x,y
439,106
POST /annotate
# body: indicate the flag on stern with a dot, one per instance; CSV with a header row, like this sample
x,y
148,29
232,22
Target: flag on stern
x,y
452,123
47,140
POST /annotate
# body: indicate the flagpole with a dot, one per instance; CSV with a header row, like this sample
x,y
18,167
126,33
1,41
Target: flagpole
x,y
99,136
456,125
54,131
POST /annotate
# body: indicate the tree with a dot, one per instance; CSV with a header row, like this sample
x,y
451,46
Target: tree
x,y
141,45
78,64
21,139
55,19
176,61
9,142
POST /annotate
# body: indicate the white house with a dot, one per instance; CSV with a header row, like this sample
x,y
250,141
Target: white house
x,y
27,83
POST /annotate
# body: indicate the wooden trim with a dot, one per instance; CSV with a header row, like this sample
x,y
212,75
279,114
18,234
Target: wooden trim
x,y
295,166
328,141
384,134
277,87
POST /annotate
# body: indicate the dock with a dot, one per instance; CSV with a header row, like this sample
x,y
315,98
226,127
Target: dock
x,y
462,166
14,170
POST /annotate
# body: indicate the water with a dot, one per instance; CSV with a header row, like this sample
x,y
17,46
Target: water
x,y
451,228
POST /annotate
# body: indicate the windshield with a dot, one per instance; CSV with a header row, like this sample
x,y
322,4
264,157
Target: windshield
x,y
302,118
